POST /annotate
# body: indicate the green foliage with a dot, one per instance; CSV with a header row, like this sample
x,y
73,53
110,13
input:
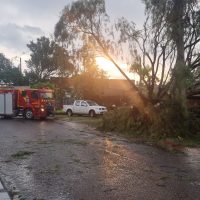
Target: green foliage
x,y
169,122
125,120
80,29
180,21
10,73
80,18
40,85
47,59
4,63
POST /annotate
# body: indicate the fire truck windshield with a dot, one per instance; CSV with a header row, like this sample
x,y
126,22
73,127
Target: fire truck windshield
x,y
46,95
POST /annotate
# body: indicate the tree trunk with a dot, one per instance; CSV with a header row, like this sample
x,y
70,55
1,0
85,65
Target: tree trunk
x,y
180,76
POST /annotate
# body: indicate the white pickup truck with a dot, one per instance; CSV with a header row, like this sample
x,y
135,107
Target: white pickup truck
x,y
84,107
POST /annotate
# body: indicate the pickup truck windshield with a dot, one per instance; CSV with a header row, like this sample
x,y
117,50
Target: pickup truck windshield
x,y
46,95
92,103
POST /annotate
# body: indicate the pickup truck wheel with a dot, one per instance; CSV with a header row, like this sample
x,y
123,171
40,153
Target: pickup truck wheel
x,y
29,114
92,113
69,113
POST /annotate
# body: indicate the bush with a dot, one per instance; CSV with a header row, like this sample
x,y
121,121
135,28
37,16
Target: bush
x,y
126,120
168,122
172,122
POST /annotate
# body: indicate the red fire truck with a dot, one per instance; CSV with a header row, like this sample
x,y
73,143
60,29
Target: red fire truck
x,y
29,103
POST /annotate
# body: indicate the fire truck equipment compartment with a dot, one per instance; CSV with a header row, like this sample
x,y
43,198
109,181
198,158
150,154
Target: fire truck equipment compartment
x,y
6,104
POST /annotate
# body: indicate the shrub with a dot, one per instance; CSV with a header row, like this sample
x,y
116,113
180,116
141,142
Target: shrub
x,y
168,122
125,119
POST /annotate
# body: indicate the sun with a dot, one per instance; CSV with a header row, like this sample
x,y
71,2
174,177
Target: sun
x,y
105,64
111,70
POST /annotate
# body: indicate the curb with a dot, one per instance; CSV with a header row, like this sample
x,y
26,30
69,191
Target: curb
x,y
3,194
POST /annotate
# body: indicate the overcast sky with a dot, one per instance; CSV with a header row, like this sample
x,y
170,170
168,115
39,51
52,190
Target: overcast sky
x,y
24,20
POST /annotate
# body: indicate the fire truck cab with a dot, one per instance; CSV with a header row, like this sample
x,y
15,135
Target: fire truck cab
x,y
29,103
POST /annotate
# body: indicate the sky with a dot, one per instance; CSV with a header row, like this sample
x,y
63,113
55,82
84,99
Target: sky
x,y
22,21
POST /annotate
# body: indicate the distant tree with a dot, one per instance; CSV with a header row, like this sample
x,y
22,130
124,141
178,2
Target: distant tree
x,y
41,85
9,73
47,59
5,63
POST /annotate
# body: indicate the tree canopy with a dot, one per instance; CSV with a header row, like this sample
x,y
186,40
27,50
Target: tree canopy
x,y
47,59
10,74
84,19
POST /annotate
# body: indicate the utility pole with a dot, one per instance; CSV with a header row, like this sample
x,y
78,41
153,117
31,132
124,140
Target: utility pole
x,y
20,65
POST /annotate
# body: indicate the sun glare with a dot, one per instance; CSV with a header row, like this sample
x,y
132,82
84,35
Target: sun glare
x,y
105,64
109,67
112,71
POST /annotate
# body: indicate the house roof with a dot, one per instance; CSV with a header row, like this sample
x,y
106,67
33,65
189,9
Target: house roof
x,y
107,87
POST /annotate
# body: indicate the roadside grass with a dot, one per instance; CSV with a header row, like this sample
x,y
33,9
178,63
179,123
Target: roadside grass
x,y
59,112
22,154
169,143
166,143
191,142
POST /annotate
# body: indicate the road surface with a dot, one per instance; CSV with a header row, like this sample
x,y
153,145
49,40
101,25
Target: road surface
x,y
60,160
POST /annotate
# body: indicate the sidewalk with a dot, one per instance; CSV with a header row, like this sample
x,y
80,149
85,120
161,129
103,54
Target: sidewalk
x,y
3,194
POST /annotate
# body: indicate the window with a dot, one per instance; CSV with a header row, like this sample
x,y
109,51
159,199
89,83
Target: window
x,y
83,103
92,103
46,95
77,103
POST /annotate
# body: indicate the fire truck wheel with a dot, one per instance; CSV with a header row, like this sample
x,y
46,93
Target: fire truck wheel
x,y
29,114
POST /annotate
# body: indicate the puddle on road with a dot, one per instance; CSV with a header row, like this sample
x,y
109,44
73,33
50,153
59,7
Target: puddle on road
x,y
193,157
112,161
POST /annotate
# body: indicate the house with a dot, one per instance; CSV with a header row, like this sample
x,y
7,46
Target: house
x,y
107,91
193,96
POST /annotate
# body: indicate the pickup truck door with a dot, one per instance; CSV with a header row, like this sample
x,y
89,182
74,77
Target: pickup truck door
x,y
84,107
77,107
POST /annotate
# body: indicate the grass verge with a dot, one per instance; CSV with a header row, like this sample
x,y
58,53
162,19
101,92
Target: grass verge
x,y
22,154
169,143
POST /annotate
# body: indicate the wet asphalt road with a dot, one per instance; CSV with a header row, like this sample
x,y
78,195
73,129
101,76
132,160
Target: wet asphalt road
x,y
65,160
